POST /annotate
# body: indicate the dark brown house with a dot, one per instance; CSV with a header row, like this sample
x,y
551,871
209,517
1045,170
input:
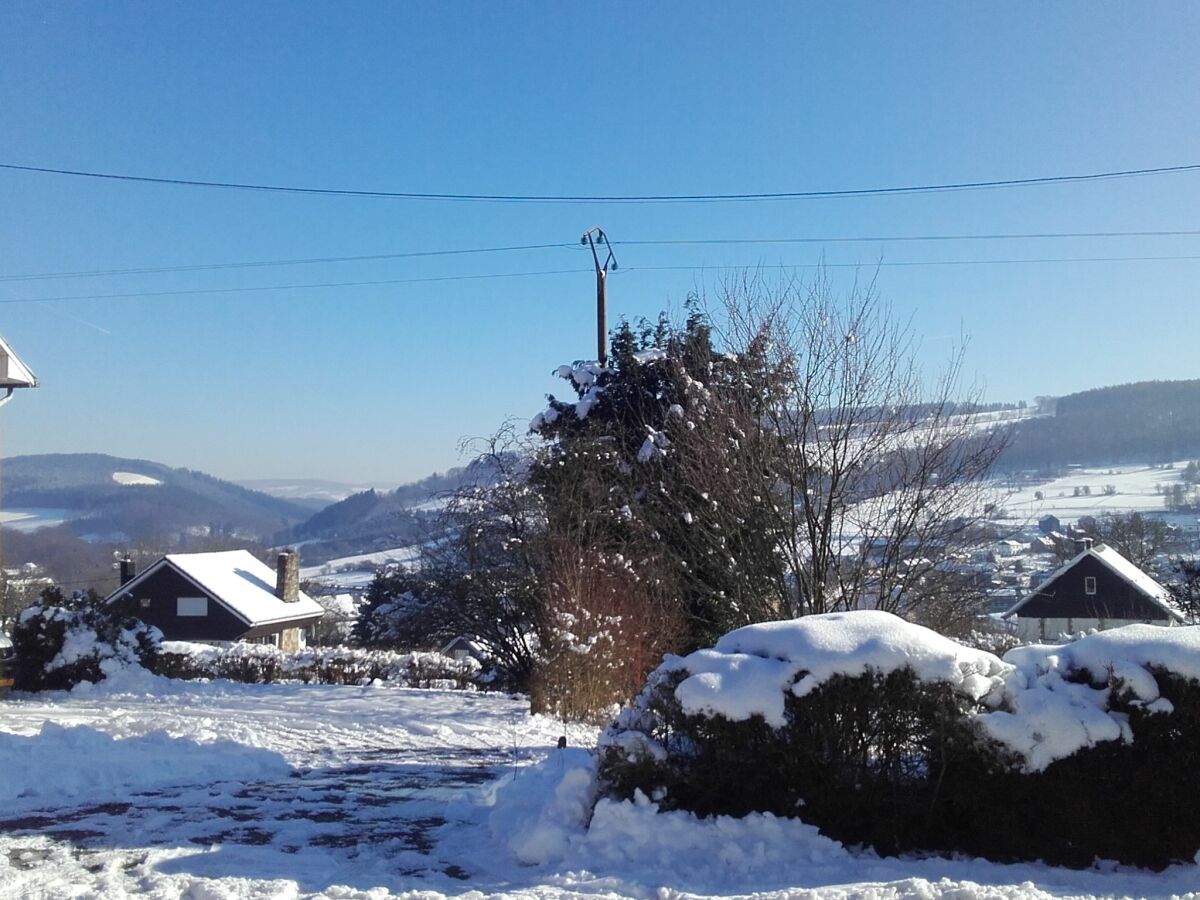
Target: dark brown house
x,y
1098,588
218,597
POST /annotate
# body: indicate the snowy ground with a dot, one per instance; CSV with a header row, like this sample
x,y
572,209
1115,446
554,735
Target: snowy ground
x,y
229,791
1135,492
357,571
31,519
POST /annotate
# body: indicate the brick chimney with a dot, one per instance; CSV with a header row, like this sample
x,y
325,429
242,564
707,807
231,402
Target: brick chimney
x,y
1082,544
287,576
128,569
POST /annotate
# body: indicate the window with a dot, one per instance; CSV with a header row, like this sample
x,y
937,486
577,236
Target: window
x,y
1089,584
191,606
144,602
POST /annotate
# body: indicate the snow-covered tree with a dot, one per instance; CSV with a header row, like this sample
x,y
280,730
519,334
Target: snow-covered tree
x,y
61,641
659,460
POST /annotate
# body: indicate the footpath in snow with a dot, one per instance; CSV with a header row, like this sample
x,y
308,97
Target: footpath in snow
x,y
357,792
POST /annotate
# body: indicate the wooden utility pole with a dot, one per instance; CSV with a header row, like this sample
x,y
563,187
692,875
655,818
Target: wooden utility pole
x,y
597,240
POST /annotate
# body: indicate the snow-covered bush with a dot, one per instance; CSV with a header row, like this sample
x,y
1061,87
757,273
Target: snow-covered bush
x,y
839,719
61,641
260,664
882,732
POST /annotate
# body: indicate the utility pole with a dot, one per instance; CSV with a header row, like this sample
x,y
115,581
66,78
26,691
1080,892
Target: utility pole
x,y
597,240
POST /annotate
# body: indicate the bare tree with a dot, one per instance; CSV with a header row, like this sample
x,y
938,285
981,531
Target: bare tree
x,y
1138,538
878,471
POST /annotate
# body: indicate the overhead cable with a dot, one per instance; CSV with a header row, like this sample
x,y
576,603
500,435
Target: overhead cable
x,y
570,245
691,268
617,198
290,287
256,264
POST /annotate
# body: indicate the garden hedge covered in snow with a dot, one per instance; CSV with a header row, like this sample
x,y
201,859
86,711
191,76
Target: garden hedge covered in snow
x,y
261,664
885,733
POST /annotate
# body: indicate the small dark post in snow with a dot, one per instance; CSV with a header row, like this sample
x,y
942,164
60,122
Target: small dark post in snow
x,y
591,238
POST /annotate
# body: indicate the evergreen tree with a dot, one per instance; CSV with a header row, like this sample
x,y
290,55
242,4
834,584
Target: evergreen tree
x,y
657,461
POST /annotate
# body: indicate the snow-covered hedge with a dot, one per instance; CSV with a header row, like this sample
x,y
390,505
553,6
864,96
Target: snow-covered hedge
x,y
260,663
883,732
61,641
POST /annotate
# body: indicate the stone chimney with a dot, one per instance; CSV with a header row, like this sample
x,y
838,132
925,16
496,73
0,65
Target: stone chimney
x,y
1082,544
128,569
287,576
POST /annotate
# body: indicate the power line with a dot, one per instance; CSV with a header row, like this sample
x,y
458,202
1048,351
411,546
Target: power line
x,y
913,263
665,242
290,287
629,198
884,239
688,268
199,267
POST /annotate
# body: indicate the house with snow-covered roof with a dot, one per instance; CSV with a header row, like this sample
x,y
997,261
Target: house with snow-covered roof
x,y
13,372
1098,588
221,597
462,647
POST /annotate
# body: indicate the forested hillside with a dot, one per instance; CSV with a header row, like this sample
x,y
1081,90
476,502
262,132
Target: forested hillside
x,y
373,520
1148,421
106,495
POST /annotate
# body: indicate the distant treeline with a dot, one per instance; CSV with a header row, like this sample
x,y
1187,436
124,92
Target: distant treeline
x,y
1149,421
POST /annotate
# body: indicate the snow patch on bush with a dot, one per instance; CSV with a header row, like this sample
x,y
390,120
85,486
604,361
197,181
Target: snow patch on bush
x,y
750,669
322,665
1044,702
1050,714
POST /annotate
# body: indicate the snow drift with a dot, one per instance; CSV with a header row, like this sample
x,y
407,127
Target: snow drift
x,y
82,764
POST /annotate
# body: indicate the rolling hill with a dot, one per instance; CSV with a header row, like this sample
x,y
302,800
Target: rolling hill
x,y
1148,421
114,498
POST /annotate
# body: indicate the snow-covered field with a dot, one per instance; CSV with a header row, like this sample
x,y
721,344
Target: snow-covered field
x,y
156,788
134,479
32,518
1137,490
359,570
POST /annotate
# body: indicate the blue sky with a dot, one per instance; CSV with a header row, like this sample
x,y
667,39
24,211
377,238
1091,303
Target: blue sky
x,y
380,382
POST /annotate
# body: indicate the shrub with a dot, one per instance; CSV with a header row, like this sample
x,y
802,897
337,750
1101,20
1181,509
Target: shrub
x,y
864,758
263,664
880,734
62,641
605,626
1128,800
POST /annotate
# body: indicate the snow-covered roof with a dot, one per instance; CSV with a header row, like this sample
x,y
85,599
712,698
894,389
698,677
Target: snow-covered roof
x,y
1123,568
462,642
240,581
13,372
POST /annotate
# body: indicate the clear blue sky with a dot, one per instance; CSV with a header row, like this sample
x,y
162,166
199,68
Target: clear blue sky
x,y
380,382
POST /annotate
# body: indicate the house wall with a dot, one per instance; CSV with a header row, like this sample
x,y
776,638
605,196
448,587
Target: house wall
x,y
162,589
1115,598
1046,630
291,640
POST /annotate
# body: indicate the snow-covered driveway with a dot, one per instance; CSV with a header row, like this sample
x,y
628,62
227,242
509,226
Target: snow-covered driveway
x,y
312,786
173,789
